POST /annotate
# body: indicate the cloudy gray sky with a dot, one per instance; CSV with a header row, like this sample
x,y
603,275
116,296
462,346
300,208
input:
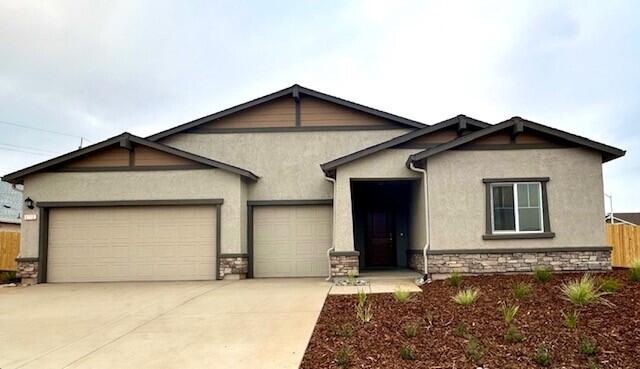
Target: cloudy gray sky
x,y
97,68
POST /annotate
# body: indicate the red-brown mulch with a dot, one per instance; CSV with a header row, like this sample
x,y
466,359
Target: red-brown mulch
x,y
377,344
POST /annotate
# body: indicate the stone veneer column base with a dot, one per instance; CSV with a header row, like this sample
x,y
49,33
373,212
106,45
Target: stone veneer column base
x,y
27,270
344,263
233,266
527,260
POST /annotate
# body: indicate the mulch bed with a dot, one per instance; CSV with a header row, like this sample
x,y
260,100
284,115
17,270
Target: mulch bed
x,y
377,344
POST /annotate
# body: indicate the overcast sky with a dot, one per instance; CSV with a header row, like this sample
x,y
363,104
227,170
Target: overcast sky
x,y
96,69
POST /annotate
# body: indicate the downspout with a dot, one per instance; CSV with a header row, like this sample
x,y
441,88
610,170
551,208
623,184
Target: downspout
x,y
333,226
427,225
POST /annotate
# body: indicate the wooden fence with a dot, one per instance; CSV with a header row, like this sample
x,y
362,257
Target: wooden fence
x,y
625,240
9,249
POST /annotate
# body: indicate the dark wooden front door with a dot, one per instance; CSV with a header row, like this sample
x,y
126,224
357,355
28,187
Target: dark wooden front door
x,y
381,250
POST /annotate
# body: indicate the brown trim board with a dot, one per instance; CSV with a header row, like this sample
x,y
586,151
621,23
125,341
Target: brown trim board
x,y
78,204
44,208
218,238
141,168
292,129
518,250
253,203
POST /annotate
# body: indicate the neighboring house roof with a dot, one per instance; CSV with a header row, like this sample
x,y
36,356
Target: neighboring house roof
x,y
461,121
295,91
518,125
626,217
125,140
10,204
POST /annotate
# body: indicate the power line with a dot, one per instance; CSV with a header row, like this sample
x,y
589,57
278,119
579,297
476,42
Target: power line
x,y
29,148
42,130
25,151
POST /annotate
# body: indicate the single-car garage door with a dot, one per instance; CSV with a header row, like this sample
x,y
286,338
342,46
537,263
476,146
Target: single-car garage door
x,y
132,243
291,241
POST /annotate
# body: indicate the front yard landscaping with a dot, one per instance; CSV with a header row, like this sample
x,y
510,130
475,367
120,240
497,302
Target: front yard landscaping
x,y
568,320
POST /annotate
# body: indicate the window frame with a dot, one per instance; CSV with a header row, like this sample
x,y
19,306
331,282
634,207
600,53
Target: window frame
x,y
516,207
492,234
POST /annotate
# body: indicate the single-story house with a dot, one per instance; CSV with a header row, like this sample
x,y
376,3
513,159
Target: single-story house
x,y
299,183
10,207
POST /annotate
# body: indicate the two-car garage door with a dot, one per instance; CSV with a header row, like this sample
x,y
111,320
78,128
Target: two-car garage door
x,y
132,243
291,241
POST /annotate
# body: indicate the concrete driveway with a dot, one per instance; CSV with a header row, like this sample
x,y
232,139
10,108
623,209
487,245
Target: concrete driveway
x,y
259,323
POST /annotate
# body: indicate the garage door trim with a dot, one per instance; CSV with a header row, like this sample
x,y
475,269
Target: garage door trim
x,y
45,206
254,203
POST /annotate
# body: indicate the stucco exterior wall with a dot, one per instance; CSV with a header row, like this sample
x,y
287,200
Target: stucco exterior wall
x,y
385,164
147,185
457,196
288,163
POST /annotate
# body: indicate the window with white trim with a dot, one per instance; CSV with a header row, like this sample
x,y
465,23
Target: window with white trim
x,y
516,207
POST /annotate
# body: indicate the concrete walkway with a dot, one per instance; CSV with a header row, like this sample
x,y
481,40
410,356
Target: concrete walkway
x,y
260,323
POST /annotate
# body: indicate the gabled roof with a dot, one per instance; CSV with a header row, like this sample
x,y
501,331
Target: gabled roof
x,y
518,124
462,121
294,91
125,140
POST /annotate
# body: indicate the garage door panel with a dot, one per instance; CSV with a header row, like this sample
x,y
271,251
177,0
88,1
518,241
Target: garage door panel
x,y
132,243
291,241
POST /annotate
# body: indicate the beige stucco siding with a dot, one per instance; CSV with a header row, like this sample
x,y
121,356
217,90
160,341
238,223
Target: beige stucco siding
x,y
457,195
147,185
288,163
385,164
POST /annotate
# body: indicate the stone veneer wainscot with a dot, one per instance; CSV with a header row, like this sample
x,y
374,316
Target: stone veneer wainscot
x,y
501,261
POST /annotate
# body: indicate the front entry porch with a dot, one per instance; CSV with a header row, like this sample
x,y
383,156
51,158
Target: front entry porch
x,y
381,222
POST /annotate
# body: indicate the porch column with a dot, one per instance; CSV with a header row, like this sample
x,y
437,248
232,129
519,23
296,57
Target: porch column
x,y
343,218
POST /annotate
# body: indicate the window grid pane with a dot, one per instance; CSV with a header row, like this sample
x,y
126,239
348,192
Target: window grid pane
x,y
503,208
516,207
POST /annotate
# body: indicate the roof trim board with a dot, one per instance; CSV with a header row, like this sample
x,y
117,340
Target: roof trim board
x,y
124,140
608,152
462,121
294,91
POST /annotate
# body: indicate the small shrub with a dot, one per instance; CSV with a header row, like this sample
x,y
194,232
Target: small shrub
x,y
634,271
513,335
466,297
343,356
587,346
460,330
345,330
352,280
362,297
542,356
401,295
609,285
509,313
6,277
410,330
571,319
474,350
406,353
542,275
522,290
429,318
455,280
583,292
364,311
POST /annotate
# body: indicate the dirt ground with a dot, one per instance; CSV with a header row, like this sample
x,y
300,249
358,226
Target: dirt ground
x,y
438,345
